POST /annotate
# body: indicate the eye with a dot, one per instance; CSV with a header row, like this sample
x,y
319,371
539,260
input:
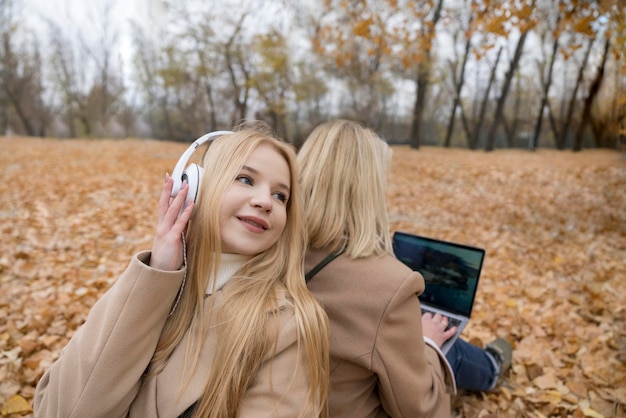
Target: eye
x,y
280,196
244,179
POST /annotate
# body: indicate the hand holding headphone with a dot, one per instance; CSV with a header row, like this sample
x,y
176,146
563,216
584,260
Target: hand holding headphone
x,y
193,172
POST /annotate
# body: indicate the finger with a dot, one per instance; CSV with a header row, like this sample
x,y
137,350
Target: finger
x,y
164,200
174,208
183,219
449,333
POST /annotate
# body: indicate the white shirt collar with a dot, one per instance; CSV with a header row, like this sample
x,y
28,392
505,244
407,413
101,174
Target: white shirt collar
x,y
229,265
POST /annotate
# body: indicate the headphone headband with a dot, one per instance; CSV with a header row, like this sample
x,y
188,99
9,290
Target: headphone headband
x,y
179,169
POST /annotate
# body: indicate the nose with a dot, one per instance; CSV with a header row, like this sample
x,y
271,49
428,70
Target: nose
x,y
262,199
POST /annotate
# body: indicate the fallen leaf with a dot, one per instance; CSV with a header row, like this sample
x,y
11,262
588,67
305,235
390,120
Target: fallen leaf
x,y
15,405
546,381
588,412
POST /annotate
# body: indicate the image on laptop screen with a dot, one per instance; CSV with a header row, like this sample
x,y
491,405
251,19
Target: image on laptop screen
x,y
450,270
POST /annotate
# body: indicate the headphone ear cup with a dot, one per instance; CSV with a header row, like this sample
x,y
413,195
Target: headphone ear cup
x,y
193,176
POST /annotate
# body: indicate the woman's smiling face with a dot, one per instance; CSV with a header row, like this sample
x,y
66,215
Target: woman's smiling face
x,y
254,209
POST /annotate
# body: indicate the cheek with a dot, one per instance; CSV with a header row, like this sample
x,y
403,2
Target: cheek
x,y
281,220
228,202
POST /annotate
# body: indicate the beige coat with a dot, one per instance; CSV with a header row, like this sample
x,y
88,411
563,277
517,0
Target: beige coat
x,y
99,373
380,365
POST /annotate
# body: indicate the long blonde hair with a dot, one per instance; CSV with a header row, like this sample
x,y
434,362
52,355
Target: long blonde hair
x,y
343,169
253,293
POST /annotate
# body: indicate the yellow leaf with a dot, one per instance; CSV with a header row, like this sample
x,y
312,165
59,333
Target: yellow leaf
x,y
588,412
15,405
510,303
551,396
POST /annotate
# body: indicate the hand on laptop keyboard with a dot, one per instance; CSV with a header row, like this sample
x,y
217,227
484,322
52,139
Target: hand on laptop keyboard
x,y
438,327
452,322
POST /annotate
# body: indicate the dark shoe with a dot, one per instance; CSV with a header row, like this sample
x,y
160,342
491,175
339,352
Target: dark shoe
x,y
503,353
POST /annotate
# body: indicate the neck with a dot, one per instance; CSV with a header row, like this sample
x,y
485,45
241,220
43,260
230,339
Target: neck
x,y
229,265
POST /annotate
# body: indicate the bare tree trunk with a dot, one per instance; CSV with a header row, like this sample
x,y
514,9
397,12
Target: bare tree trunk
x,y
167,120
24,119
483,107
458,87
146,61
4,82
572,103
4,99
212,113
202,41
553,125
511,130
14,82
466,127
4,120
418,109
6,23
546,84
491,138
104,90
591,96
84,119
68,78
69,120
241,91
422,81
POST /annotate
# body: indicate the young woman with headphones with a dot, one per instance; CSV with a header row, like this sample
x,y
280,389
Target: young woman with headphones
x,y
216,324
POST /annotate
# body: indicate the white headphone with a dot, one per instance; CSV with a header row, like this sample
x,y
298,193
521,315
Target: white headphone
x,y
192,173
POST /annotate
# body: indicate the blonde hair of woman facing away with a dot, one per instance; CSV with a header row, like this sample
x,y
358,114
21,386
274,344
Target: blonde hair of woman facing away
x,y
245,334
357,217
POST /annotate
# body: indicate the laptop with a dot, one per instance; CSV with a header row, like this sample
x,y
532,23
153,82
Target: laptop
x,y
451,272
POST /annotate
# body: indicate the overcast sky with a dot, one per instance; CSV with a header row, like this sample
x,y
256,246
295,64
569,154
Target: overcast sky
x,y
81,11
86,16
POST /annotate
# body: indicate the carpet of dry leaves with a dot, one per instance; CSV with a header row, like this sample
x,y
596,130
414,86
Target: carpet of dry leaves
x,y
553,224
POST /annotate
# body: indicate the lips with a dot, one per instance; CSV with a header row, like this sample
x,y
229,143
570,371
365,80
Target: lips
x,y
254,222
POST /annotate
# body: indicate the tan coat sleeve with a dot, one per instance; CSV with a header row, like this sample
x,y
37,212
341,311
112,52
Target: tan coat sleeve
x,y
98,373
412,376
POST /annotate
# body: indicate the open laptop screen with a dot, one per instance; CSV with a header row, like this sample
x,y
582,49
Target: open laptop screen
x,y
450,270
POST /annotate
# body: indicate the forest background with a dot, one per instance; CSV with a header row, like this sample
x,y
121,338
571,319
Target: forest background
x,y
477,74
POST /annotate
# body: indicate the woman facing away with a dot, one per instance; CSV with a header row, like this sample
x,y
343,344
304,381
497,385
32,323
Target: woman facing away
x,y
223,326
381,364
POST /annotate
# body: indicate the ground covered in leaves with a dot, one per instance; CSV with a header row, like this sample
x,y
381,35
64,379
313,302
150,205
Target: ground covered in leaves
x,y
553,224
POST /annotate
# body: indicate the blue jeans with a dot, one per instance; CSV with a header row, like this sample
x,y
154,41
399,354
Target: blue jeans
x,y
473,368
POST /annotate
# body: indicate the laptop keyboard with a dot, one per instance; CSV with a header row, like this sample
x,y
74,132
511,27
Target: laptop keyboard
x,y
452,322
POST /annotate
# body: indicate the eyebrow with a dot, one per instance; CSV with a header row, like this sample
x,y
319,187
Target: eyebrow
x,y
255,171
